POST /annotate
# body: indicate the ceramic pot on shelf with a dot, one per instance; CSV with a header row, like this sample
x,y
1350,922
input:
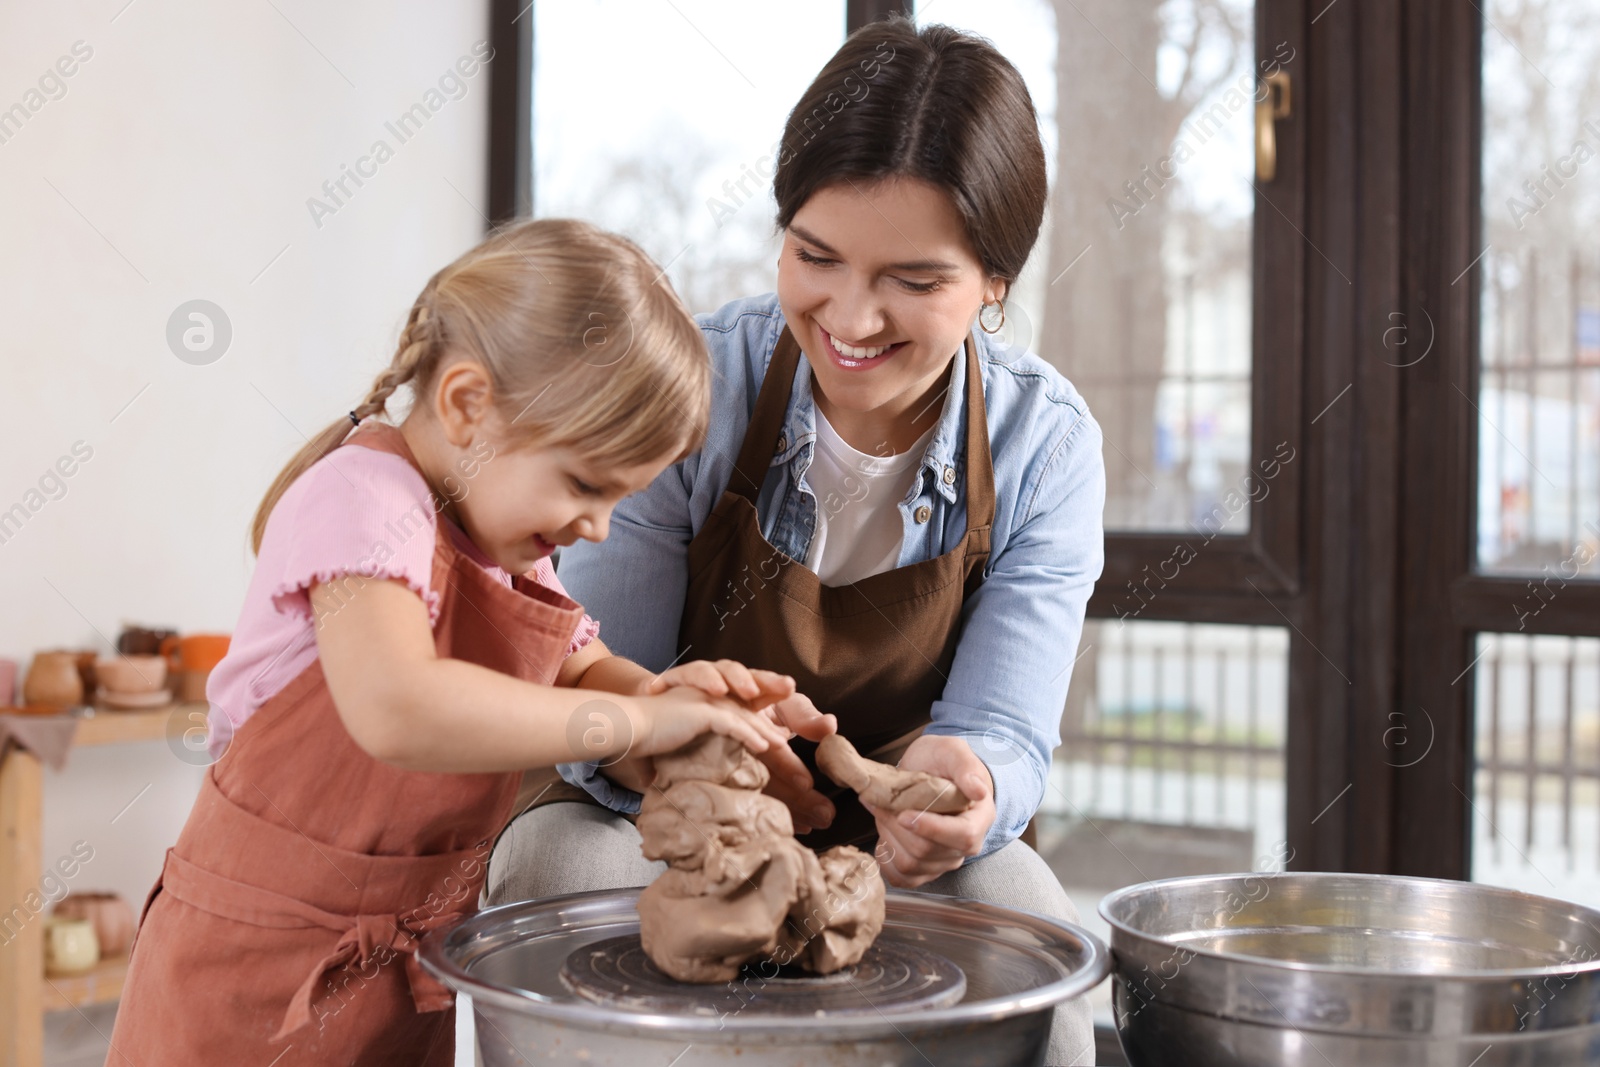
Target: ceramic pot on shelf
x,y
191,659
108,913
8,681
132,674
86,661
129,683
70,946
142,641
53,680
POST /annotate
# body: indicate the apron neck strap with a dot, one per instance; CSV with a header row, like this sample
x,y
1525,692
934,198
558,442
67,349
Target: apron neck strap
x,y
382,437
772,404
980,464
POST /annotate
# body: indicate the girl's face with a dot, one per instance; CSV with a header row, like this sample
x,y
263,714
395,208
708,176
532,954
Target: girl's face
x,y
524,502
516,502
880,286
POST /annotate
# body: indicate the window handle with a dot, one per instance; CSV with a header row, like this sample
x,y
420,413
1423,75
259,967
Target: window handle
x,y
1272,107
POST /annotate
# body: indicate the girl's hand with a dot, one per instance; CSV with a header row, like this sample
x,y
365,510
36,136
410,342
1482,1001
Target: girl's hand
x,y
670,720
774,696
755,689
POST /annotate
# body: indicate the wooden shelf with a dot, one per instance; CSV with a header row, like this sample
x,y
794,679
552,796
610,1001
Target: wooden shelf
x,y
112,726
26,994
119,727
101,985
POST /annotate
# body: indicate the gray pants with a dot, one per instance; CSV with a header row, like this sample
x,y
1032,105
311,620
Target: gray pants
x,y
576,848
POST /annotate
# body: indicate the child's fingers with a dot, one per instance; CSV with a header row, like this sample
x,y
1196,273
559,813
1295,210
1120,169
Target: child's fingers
x,y
774,732
771,732
779,733
771,715
698,674
740,725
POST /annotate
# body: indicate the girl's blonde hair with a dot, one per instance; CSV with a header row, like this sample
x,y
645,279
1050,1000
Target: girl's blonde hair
x,y
586,344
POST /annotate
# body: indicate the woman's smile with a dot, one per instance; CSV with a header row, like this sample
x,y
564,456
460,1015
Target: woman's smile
x,y
858,357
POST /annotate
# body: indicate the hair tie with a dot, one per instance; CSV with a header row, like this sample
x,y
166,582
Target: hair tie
x,y
353,420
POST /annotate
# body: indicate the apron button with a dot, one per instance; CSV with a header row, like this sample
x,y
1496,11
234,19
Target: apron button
x,y
924,513
783,445
949,476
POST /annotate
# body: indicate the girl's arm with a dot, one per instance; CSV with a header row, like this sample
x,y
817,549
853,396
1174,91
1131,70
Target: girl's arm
x,y
405,705
594,666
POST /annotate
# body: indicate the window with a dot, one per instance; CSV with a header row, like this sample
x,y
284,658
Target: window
x,y
659,121
1141,289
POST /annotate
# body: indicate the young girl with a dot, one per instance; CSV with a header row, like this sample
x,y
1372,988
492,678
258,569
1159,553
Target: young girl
x,y
405,651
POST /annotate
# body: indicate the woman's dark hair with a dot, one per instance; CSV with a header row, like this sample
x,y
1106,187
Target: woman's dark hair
x,y
936,104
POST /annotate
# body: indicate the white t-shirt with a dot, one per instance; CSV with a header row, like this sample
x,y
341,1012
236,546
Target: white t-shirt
x,y
859,527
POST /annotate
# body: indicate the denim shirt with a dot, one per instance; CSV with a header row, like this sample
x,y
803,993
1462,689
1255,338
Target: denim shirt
x,y
1007,686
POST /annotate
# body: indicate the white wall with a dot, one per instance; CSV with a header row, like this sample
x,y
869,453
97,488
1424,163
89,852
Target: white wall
x,y
177,165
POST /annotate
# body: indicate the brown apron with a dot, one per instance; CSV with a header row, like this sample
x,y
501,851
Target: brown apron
x,y
284,924
876,653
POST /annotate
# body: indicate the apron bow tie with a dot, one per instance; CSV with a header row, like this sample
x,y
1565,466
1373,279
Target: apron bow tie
x,y
368,943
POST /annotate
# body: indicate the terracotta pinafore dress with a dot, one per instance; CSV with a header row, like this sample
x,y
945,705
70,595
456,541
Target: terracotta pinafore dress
x,y
875,653
283,927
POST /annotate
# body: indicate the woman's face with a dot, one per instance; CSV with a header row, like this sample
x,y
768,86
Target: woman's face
x,y
880,287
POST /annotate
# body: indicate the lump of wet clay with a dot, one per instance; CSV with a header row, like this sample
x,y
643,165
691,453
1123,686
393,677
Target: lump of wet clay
x,y
740,888
888,788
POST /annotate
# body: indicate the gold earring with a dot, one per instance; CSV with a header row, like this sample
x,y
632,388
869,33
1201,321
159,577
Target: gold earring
x,y
997,327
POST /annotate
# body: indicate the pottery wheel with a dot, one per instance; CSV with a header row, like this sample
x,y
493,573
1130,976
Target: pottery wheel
x,y
893,975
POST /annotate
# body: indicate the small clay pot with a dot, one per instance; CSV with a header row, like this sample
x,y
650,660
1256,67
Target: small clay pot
x,y
8,681
108,913
86,662
70,946
142,641
132,674
53,679
192,686
195,653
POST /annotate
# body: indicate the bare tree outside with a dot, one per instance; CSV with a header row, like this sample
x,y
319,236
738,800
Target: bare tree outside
x,y
715,248
1148,261
1148,241
668,134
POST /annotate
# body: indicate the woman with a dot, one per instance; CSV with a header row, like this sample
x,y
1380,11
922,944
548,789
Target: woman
x,y
891,507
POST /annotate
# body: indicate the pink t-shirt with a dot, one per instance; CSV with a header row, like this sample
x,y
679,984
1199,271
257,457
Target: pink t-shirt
x,y
355,511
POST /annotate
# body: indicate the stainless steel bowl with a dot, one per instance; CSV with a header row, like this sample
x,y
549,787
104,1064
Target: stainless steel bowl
x,y
1018,967
1296,970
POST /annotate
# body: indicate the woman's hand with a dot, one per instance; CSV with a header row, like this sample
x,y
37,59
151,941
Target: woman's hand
x,y
916,847
791,782
757,690
667,721
765,691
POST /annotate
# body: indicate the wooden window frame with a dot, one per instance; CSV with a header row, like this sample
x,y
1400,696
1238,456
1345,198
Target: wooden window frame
x,y
1245,578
